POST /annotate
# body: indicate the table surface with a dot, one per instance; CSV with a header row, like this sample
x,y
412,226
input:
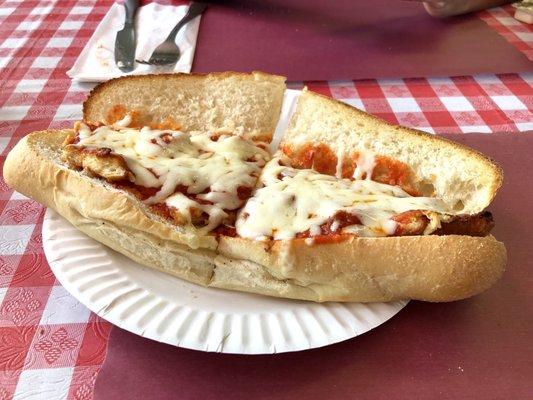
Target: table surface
x,y
313,40
479,348
51,346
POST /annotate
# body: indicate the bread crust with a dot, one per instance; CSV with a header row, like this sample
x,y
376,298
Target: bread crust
x,y
429,268
248,104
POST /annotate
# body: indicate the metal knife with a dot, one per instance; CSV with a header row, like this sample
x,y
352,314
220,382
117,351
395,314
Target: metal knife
x,y
125,41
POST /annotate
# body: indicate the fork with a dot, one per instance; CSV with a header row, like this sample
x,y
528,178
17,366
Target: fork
x,y
168,52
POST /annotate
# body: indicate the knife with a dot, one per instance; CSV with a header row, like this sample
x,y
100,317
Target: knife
x,y
125,41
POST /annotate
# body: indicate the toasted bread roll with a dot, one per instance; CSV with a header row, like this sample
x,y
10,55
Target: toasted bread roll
x,y
243,103
462,177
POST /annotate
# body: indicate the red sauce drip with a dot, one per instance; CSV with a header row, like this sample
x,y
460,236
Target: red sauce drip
x,y
141,192
166,137
393,172
410,223
317,156
322,159
162,210
244,192
182,189
343,219
336,238
226,230
200,201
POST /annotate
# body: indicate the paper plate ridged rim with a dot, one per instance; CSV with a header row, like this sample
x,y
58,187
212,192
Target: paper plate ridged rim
x,y
164,308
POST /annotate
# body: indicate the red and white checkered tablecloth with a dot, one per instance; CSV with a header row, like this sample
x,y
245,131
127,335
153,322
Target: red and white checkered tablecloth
x,y
51,346
517,33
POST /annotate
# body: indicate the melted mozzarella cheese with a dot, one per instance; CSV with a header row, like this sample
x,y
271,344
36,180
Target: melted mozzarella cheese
x,y
340,162
124,122
83,130
298,200
366,161
212,168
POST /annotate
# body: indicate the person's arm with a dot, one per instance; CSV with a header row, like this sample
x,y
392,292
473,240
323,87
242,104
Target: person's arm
x,y
447,8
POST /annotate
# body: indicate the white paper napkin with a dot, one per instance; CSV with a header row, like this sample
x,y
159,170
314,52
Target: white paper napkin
x,y
153,23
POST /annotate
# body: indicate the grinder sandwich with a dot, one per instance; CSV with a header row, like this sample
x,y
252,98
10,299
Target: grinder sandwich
x,y
175,172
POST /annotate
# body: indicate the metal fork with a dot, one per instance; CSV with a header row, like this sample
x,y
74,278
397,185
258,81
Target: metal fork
x,y
168,52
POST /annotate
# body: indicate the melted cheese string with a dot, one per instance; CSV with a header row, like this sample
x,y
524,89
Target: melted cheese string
x,y
366,161
340,162
212,168
297,200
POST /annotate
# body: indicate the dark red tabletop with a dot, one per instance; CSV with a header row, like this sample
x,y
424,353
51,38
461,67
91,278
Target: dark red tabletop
x,y
480,348
345,39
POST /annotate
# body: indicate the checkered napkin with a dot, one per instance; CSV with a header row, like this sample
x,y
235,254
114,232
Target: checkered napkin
x,y
153,23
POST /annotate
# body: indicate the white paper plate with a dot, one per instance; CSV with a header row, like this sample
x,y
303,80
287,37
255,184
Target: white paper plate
x,y
160,307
